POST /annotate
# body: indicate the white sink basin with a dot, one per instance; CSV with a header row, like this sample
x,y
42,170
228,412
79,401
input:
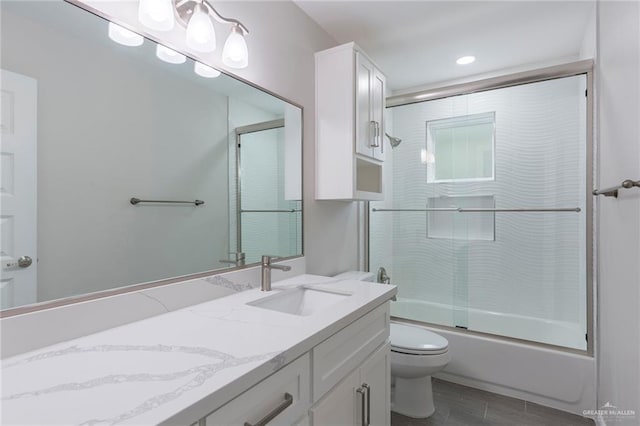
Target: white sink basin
x,y
302,301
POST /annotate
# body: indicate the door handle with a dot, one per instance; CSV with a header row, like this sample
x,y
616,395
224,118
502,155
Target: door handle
x,y
22,262
374,134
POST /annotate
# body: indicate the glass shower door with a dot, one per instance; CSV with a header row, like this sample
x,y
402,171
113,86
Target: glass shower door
x,y
485,226
267,223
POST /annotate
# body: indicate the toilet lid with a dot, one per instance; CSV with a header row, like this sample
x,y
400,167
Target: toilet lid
x,y
414,339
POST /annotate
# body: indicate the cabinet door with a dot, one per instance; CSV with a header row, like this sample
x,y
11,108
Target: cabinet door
x,y
364,120
376,374
341,406
378,103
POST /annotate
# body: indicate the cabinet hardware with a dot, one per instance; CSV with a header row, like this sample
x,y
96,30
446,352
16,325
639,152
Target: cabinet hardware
x,y
360,392
374,134
367,389
288,400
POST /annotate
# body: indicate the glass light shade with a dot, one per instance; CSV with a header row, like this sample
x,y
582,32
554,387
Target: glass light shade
x,y
235,53
201,36
156,14
206,71
169,55
124,36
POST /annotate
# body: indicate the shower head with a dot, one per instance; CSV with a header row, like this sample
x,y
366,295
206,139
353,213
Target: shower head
x,y
394,141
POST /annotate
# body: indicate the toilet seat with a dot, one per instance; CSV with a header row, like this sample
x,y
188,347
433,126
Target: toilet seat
x,y
414,340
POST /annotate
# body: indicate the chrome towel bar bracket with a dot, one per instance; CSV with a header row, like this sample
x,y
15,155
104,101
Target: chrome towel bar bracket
x,y
613,192
135,201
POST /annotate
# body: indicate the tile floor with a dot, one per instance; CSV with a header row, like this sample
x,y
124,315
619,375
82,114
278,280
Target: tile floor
x,y
458,405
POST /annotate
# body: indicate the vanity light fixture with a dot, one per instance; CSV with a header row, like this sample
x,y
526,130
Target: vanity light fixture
x,y
201,36
156,14
195,16
123,36
235,53
169,55
205,70
465,60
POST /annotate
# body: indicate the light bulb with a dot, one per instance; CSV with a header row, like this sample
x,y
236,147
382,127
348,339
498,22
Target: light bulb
x,y
169,55
206,71
156,14
465,60
201,36
235,53
124,36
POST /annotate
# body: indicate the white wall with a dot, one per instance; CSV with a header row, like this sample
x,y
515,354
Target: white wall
x,y
618,84
147,135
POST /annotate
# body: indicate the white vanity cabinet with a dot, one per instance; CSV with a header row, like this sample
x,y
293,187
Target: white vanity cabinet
x,y
350,102
362,398
351,374
344,380
280,399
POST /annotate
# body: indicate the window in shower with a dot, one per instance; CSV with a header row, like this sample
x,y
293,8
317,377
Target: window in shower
x,y
460,148
509,256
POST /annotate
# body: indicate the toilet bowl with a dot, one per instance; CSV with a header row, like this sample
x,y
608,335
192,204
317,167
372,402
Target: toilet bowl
x,y
416,354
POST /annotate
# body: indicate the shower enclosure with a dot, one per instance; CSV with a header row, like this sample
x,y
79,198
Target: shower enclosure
x,y
486,223
264,221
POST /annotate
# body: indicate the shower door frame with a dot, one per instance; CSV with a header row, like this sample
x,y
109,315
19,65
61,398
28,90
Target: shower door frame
x,y
584,67
240,131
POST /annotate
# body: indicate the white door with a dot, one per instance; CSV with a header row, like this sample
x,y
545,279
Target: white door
x,y
376,373
18,185
378,103
364,121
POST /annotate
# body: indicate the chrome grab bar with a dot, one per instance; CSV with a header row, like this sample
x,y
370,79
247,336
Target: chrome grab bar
x,y
135,201
613,192
288,400
483,210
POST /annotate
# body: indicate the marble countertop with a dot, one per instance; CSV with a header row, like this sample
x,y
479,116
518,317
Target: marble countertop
x,y
176,367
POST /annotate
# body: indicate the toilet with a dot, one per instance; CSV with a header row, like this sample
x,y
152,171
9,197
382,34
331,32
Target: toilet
x,y
416,354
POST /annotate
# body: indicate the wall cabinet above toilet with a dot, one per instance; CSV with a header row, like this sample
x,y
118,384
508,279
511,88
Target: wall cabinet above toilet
x,y
350,102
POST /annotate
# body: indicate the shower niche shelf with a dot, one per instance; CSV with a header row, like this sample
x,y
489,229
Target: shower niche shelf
x,y
350,102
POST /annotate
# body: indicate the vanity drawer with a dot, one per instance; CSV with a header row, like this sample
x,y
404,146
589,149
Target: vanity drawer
x,y
341,353
288,389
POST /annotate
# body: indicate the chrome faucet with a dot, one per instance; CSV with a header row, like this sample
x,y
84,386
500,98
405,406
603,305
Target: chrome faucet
x,y
267,266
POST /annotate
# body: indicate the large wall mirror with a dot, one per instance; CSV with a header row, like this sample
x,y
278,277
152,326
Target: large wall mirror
x,y
88,125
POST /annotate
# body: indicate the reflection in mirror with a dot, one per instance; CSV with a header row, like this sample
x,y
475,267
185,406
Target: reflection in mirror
x,y
88,124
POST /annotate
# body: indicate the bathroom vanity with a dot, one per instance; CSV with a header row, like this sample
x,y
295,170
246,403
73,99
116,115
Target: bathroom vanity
x,y
312,351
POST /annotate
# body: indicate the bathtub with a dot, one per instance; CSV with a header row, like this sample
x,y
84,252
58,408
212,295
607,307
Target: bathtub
x,y
553,377
559,333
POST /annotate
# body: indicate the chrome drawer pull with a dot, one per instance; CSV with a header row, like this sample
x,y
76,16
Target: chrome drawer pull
x,y
288,400
360,391
368,391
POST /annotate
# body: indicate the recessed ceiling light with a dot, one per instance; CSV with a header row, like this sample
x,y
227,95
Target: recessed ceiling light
x,y
465,60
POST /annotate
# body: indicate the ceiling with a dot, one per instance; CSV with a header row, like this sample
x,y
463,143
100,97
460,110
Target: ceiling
x,y
417,42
